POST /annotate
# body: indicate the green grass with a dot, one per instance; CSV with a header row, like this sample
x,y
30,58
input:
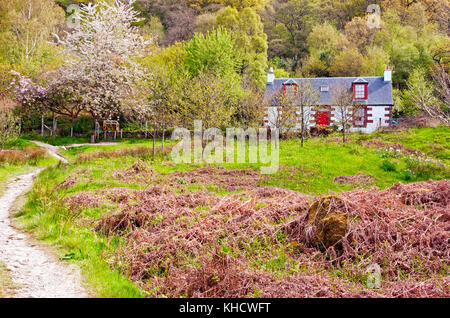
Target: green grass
x,y
310,169
47,217
57,140
434,142
7,169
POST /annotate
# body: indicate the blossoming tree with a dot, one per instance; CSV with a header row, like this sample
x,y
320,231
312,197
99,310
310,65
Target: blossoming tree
x,y
102,52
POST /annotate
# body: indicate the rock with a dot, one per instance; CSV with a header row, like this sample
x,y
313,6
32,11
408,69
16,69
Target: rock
x,y
326,221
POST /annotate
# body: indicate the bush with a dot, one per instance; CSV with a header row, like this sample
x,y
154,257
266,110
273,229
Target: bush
x,y
424,169
407,175
388,166
321,130
29,154
83,125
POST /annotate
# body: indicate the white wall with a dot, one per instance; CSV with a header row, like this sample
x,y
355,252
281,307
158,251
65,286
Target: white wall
x,y
376,116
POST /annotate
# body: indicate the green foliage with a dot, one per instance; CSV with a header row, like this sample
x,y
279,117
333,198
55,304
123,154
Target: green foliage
x,y
214,52
210,98
251,41
388,166
419,89
26,26
347,63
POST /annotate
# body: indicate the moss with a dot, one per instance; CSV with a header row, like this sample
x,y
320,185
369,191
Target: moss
x,y
330,223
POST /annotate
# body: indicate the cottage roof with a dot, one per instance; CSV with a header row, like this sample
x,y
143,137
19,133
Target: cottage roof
x,y
379,91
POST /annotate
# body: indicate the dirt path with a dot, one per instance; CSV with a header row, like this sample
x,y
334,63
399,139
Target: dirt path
x,y
36,271
53,150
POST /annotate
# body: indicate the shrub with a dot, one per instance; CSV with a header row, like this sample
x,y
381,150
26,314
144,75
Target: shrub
x,y
321,130
407,175
388,166
424,168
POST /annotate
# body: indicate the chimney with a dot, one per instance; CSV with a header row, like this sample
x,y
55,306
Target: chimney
x,y
270,76
387,74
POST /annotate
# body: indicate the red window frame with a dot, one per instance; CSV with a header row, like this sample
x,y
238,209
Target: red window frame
x,y
354,91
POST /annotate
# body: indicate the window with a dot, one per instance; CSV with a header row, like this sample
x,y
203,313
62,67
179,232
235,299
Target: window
x,y
290,91
359,117
360,91
324,88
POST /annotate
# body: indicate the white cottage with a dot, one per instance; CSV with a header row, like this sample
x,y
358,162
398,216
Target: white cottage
x,y
373,95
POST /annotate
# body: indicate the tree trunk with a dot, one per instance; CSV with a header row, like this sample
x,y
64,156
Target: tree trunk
x,y
303,126
73,124
93,132
163,133
54,125
343,133
154,137
42,126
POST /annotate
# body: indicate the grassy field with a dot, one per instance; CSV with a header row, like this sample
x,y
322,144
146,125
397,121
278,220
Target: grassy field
x,y
24,156
79,208
434,142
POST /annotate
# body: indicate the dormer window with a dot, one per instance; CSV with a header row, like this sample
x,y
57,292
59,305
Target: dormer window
x,y
290,89
360,89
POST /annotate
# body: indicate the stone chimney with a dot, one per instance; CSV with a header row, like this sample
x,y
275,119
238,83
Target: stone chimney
x,y
270,76
387,74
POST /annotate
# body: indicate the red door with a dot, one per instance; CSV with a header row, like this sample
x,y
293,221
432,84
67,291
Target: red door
x,y
322,118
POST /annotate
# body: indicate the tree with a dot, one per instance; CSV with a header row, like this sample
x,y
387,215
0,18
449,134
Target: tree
x,y
291,23
251,111
9,123
241,4
375,61
359,33
161,97
211,98
101,58
442,83
342,99
57,95
177,16
25,28
307,97
214,53
61,97
347,63
28,94
284,116
421,95
250,40
325,37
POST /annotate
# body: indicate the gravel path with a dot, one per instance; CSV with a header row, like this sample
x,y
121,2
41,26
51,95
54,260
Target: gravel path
x,y
35,270
53,150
